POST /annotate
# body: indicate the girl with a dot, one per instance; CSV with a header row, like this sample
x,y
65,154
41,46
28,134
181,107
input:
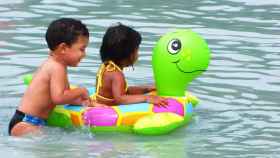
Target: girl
x,y
119,49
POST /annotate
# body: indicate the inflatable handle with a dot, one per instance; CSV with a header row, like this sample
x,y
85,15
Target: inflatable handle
x,y
27,79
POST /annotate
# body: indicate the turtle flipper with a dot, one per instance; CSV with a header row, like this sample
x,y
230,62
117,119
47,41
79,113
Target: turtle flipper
x,y
158,123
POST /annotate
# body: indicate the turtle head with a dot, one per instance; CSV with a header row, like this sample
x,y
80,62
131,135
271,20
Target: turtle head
x,y
178,57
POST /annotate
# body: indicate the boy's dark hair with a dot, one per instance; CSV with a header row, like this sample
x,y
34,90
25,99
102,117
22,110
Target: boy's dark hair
x,y
65,30
119,42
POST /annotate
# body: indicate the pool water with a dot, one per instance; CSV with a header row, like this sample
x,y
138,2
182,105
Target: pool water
x,y
239,112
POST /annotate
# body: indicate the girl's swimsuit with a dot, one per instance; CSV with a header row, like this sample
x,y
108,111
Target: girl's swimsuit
x,y
20,116
109,66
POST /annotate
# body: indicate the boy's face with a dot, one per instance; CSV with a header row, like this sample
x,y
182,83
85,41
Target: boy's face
x,y
76,52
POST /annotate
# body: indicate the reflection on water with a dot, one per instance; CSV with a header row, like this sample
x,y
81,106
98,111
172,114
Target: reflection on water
x,y
238,114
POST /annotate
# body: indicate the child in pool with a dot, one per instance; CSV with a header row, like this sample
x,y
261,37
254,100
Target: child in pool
x,y
67,40
119,49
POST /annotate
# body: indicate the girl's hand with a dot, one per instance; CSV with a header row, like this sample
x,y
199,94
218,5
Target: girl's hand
x,y
156,100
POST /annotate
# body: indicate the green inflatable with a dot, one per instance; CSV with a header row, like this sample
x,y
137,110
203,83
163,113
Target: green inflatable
x,y
177,59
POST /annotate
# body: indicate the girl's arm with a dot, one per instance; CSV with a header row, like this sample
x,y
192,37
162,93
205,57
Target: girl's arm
x,y
140,89
121,97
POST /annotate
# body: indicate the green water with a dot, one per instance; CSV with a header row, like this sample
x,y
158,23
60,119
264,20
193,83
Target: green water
x,y
239,112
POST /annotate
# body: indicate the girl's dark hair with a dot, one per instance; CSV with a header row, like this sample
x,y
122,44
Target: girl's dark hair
x,y
65,30
119,43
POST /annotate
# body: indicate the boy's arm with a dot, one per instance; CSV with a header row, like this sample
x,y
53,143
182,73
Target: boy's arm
x,y
59,88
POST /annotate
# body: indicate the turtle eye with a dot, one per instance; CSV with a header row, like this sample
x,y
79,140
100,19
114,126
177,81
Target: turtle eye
x,y
174,46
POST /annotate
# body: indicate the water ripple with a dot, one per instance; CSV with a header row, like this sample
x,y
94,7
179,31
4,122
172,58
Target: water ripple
x,y
238,114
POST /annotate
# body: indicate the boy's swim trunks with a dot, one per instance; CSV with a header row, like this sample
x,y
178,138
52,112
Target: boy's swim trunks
x,y
20,116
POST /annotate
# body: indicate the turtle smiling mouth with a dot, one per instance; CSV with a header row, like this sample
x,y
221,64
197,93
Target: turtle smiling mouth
x,y
178,67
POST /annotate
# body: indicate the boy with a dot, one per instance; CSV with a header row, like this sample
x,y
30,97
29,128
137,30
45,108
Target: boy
x,y
67,40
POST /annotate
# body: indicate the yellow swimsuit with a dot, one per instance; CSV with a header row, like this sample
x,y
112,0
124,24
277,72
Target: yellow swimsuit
x,y
109,66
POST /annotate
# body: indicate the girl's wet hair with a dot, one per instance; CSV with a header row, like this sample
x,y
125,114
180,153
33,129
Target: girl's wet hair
x,y
65,30
119,43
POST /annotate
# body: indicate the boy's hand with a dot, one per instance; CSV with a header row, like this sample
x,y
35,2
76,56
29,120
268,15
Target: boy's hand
x,y
84,93
86,102
93,103
156,100
99,105
84,98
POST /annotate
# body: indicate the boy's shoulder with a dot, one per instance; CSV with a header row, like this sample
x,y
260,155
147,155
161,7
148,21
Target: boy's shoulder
x,y
51,66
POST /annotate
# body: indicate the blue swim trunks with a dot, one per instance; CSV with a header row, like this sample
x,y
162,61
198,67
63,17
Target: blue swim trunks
x,y
20,116
34,120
